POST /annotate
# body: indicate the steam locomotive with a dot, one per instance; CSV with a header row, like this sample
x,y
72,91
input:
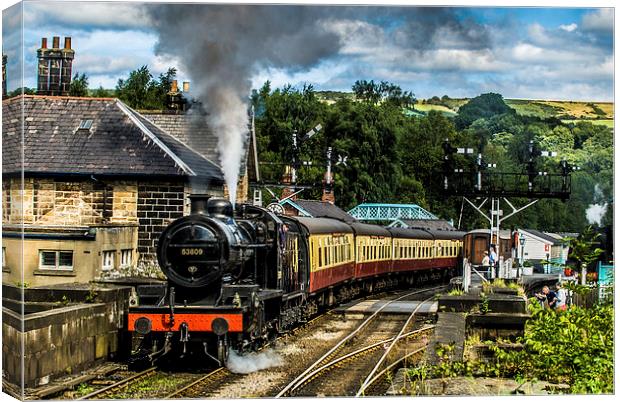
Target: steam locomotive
x,y
237,278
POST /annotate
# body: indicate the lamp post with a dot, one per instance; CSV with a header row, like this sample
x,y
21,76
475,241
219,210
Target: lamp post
x,y
522,242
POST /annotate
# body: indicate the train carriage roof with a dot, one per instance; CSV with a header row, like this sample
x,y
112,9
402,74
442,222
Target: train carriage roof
x,y
406,233
366,229
322,225
447,234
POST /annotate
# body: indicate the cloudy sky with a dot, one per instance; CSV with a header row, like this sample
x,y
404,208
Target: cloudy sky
x,y
540,53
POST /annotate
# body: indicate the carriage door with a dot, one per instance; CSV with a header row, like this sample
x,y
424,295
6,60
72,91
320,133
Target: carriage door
x,y
481,244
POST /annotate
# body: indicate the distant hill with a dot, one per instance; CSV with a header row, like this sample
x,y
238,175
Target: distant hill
x,y
567,111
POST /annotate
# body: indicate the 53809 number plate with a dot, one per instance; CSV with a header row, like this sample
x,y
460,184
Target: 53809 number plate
x,y
192,251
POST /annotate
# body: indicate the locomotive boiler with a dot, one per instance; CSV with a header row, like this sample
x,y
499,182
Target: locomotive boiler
x,y
238,277
219,292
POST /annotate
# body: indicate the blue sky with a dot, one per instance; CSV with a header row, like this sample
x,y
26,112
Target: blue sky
x,y
541,53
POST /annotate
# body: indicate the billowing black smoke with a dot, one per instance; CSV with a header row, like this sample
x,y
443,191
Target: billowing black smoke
x,y
223,46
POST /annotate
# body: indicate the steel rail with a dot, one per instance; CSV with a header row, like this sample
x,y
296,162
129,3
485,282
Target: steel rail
x,y
389,349
299,379
221,370
355,353
391,366
120,384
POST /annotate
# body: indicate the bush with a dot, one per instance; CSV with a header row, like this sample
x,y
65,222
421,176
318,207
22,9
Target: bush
x,y
573,347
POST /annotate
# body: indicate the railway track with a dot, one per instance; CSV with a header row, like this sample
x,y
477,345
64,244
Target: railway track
x,y
112,389
346,355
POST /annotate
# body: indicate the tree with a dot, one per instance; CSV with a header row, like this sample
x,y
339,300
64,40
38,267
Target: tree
x,y
102,93
371,92
79,85
141,91
21,91
583,248
482,106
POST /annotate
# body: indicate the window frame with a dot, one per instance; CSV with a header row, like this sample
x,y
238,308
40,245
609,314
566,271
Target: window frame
x,y
105,253
122,263
56,266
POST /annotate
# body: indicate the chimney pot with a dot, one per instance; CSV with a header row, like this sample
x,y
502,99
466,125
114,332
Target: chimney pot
x,y
56,42
67,42
185,86
174,87
43,43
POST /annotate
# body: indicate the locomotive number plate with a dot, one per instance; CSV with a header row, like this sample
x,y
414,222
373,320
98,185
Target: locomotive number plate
x,y
192,251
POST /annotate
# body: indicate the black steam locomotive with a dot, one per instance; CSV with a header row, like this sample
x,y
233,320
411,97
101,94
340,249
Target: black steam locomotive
x,y
236,278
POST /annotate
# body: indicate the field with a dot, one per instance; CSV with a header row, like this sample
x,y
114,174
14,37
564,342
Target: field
x,y
568,111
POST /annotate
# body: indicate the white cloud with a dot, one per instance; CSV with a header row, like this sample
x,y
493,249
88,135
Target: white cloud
x,y
569,27
86,14
599,20
538,34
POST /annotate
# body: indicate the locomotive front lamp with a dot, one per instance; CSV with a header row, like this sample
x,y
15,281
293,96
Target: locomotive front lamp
x,y
143,325
219,326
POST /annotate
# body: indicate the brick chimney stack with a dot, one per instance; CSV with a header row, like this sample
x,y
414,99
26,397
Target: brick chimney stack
x,y
174,98
55,65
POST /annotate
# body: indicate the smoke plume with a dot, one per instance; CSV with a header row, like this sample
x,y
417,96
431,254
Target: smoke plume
x,y
596,210
222,46
244,364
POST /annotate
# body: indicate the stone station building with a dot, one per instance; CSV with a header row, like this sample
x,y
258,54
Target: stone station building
x,y
100,182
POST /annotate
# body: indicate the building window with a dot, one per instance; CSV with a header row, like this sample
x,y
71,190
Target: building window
x,y
126,257
108,260
56,259
85,124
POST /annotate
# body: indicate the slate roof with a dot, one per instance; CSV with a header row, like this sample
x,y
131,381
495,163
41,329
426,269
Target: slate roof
x,y
544,236
120,142
191,128
428,224
322,209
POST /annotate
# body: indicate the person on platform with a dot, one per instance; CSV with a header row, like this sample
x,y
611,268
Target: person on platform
x,y
486,261
562,295
493,256
547,295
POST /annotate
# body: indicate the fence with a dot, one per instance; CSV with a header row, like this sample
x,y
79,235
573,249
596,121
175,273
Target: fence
x,y
596,294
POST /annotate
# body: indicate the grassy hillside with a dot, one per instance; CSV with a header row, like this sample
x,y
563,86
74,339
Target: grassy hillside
x,y
567,111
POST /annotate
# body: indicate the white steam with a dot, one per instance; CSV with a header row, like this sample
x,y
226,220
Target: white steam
x,y
230,124
244,364
596,211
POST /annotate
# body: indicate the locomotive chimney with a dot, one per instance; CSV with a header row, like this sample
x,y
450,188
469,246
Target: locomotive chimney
x,y
198,204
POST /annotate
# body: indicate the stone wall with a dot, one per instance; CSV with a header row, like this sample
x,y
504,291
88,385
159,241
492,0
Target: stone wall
x,y
63,340
46,201
159,203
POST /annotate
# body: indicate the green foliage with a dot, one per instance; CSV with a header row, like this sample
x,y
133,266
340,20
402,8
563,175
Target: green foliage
x,y
397,157
79,85
584,248
483,106
21,91
103,93
371,92
484,304
141,91
456,292
574,347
